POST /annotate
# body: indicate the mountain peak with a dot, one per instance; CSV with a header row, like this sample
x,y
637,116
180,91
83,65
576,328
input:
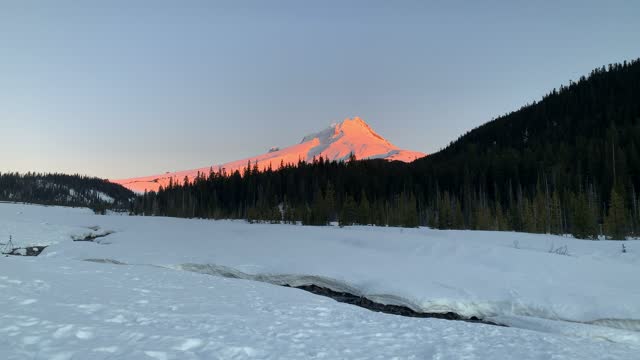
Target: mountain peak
x,y
353,123
356,120
357,127
354,126
337,142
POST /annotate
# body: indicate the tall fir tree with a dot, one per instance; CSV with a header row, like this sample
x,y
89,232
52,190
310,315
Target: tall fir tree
x,y
615,224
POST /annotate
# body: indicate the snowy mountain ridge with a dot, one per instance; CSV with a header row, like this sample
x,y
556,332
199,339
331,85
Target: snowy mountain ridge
x,y
337,142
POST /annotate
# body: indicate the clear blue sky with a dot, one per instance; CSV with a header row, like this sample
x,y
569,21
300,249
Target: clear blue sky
x,y
127,88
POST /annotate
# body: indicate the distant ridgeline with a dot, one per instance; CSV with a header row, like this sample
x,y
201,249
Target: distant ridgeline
x,y
65,190
569,163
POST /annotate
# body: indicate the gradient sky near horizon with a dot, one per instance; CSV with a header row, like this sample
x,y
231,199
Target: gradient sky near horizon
x,y
129,88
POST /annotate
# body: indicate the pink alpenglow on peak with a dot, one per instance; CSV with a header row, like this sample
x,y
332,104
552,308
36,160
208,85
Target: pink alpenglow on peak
x,y
336,142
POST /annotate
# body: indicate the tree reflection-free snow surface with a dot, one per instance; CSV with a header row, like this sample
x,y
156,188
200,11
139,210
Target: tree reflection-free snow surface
x,y
140,297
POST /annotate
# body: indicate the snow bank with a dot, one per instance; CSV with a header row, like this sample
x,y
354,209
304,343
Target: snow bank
x,y
30,225
484,274
58,308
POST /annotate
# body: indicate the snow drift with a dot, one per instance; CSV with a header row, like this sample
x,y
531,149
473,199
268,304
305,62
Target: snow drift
x,y
571,302
471,273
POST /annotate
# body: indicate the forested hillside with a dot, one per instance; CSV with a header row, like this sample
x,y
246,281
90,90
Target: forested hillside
x,y
65,190
568,163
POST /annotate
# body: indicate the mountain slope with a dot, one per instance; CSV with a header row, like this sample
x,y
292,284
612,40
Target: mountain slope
x,y
334,143
64,190
583,137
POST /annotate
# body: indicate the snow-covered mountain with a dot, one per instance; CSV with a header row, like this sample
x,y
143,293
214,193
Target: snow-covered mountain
x,y
336,142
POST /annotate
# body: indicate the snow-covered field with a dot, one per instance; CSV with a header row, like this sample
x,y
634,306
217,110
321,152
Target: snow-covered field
x,y
149,293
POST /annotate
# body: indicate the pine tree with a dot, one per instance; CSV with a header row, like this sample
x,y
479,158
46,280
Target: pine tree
x,y
556,214
364,211
458,216
444,212
481,217
330,201
583,224
528,217
540,211
409,211
319,210
615,224
349,212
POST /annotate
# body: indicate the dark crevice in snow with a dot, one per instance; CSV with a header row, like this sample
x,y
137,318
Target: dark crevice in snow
x,y
333,289
26,251
106,261
310,283
623,324
363,302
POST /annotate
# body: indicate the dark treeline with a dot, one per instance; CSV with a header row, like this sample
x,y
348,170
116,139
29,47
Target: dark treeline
x,y
64,190
566,164
363,192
